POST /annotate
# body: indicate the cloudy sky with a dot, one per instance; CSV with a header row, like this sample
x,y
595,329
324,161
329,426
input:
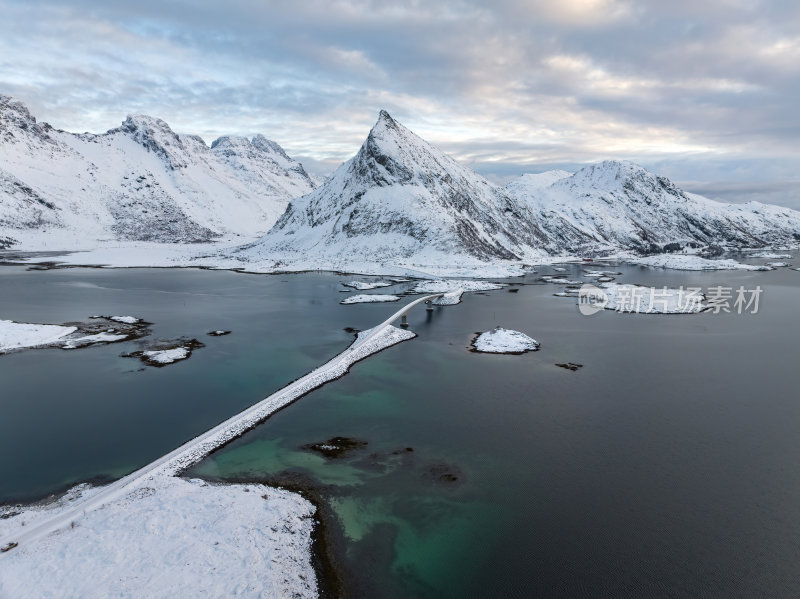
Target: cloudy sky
x,y
703,91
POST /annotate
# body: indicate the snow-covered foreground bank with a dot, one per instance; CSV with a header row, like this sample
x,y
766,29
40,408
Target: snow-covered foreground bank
x,y
168,538
691,262
81,531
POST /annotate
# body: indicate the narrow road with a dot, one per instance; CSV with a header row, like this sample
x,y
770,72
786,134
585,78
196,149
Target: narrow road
x,y
368,342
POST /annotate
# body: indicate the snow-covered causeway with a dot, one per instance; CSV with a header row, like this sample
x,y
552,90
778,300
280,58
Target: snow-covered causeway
x,y
150,534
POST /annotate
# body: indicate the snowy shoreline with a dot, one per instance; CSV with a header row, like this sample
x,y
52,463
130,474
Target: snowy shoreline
x,y
89,519
19,336
210,257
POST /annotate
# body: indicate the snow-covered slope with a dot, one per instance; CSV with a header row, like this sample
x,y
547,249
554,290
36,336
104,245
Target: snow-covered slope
x,y
621,206
531,182
400,201
138,182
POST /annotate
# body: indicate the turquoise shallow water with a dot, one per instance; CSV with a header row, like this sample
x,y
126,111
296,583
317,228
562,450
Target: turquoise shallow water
x,y
665,467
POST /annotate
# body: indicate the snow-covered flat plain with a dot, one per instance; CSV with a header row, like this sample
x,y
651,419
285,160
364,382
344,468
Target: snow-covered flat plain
x,y
168,537
437,276
769,255
652,300
691,262
20,335
504,341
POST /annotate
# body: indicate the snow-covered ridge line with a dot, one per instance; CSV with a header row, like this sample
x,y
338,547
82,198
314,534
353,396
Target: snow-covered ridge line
x,y
141,181
367,343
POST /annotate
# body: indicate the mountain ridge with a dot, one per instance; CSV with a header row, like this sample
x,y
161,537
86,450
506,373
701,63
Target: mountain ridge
x,y
140,181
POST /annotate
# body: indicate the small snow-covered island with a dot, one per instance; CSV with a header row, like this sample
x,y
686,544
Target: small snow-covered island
x,y
504,341
188,307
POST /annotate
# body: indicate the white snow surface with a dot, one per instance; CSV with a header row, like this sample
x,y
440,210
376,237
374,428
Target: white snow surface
x,y
19,335
140,181
364,298
168,538
691,262
770,255
636,299
366,285
529,183
104,337
448,285
167,356
451,298
125,319
500,341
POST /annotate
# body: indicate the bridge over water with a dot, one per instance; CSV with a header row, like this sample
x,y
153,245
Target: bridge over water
x,y
367,343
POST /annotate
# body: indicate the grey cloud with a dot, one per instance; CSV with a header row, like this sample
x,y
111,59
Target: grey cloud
x,y
700,89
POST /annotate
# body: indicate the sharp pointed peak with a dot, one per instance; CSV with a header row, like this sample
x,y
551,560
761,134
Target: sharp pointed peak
x,y
385,122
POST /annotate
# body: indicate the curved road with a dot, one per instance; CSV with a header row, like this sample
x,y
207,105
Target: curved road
x,y
367,343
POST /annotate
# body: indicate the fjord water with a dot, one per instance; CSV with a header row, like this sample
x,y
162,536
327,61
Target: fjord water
x,y
665,467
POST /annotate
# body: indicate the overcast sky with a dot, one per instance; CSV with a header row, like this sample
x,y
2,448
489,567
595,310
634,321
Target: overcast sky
x,y
703,91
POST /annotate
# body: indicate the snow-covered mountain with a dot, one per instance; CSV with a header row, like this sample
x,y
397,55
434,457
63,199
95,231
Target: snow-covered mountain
x,y
138,182
621,206
400,200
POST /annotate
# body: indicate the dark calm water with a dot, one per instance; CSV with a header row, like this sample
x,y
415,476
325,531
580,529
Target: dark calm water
x,y
665,467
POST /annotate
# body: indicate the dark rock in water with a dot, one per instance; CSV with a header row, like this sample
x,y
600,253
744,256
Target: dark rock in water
x,y
443,473
116,329
219,333
515,290
570,366
351,330
163,353
336,447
